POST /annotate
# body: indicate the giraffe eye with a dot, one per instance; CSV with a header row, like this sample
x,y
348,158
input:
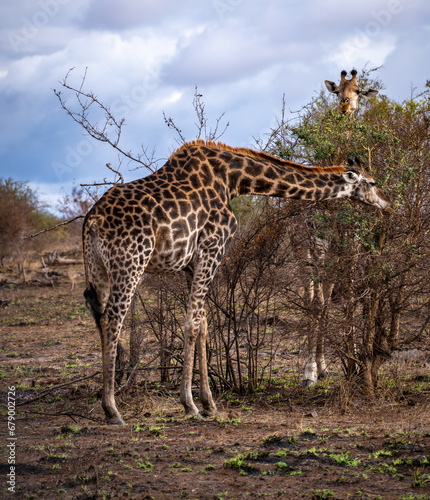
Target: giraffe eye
x,y
351,177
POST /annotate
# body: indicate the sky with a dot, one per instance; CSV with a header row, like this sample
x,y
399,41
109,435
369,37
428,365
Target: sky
x,y
143,58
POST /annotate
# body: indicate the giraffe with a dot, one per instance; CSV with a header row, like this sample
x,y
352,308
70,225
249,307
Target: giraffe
x,y
349,92
310,254
179,218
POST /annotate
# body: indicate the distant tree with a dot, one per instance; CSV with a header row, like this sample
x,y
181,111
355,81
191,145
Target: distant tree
x,y
72,205
21,213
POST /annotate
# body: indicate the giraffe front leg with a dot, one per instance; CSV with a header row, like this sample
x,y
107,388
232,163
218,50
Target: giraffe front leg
x,y
320,359
212,243
310,377
109,340
186,395
209,407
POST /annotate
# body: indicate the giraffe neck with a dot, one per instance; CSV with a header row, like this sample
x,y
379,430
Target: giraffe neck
x,y
244,171
263,177
251,172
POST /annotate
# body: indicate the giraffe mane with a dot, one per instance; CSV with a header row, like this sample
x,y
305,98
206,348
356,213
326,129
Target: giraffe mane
x,y
262,156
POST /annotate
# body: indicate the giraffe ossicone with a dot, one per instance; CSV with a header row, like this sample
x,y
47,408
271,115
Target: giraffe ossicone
x,y
180,218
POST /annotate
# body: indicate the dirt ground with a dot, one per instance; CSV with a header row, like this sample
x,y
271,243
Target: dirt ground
x,y
302,446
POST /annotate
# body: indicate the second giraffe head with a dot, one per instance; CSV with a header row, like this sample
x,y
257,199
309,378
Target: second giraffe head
x,y
349,92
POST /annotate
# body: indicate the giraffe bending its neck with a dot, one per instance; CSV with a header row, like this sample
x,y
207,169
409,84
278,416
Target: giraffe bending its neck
x,y
348,92
180,218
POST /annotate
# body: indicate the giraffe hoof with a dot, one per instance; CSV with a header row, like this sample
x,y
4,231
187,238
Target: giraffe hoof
x,y
115,421
209,413
307,383
196,416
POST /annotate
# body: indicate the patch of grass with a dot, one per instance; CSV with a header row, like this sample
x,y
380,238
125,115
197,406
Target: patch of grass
x,y
420,479
285,468
235,421
321,494
139,427
271,439
239,462
411,496
399,443
255,455
381,453
344,459
145,464
69,431
282,453
383,469
308,431
235,462
310,451
402,461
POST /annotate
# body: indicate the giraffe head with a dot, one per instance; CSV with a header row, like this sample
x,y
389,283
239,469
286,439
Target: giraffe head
x,y
348,92
363,186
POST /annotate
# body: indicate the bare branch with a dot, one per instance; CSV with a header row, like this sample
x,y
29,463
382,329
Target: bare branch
x,y
109,130
199,107
171,124
202,122
54,227
117,172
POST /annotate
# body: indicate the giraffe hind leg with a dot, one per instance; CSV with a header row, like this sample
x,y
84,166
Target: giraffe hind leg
x,y
109,299
111,322
109,332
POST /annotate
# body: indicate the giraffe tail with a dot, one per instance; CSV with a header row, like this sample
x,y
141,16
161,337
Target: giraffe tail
x,y
91,296
93,303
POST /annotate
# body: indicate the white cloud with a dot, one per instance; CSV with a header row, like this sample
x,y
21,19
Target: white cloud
x,y
49,193
110,57
359,50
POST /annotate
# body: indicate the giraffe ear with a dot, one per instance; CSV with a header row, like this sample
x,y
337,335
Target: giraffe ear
x,y
331,86
367,94
351,177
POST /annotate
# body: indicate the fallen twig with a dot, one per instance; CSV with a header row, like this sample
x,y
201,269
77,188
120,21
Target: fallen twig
x,y
60,414
46,391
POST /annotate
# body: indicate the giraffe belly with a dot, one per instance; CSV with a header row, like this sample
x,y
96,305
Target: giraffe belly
x,y
163,261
